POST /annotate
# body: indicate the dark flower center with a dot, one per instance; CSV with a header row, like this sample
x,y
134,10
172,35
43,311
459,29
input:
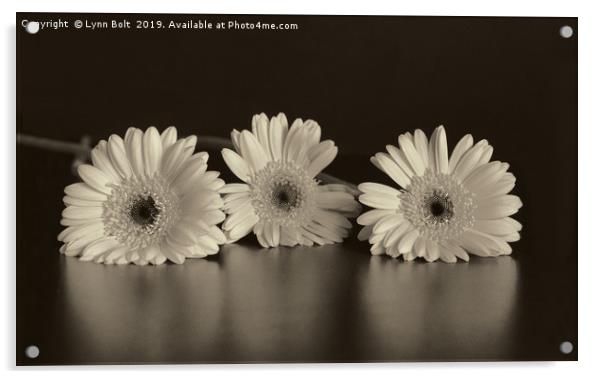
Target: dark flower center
x,y
284,196
143,211
439,206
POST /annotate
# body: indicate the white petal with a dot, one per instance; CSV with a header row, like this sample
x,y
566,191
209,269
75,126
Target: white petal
x,y
272,233
379,201
486,156
235,202
212,217
190,173
386,164
190,142
133,144
371,217
314,132
101,160
498,207
336,201
420,247
242,228
438,149
461,147
84,192
252,151
484,178
260,124
321,161
393,236
331,218
406,243
499,227
502,187
421,144
388,222
365,233
73,233
208,245
82,212
75,246
378,189
468,162
236,164
432,252
401,160
457,251
174,158
235,188
235,137
169,137
201,200
116,152
172,252
411,154
237,218
330,234
278,131
94,178
68,200
98,247
152,149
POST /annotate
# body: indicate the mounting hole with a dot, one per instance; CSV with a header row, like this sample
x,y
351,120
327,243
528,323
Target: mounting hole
x,y
566,347
32,27
32,351
566,32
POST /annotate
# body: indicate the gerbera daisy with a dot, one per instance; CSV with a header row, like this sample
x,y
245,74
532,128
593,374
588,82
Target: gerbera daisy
x,y
445,207
144,199
280,199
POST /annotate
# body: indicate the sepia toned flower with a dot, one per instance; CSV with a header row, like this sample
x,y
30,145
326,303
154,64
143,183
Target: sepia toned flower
x,y
444,207
280,199
145,199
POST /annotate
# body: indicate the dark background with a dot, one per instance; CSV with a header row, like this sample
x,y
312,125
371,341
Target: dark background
x,y
512,81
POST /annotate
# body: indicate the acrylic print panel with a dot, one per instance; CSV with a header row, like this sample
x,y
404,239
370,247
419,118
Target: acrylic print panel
x,y
139,266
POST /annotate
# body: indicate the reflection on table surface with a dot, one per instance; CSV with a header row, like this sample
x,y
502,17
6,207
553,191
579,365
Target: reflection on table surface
x,y
283,304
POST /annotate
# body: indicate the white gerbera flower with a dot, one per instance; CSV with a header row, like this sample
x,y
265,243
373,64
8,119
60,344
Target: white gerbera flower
x,y
446,207
281,201
144,199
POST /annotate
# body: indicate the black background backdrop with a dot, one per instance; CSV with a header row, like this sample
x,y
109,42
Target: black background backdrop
x,y
512,81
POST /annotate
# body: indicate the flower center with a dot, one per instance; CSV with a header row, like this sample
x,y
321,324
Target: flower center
x,y
284,196
143,211
438,206
283,193
140,212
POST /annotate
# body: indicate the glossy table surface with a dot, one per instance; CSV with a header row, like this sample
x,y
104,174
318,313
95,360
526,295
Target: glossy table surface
x,y
324,304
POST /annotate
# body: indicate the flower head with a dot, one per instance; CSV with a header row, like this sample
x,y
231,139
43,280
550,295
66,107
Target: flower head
x,y
445,207
280,199
144,199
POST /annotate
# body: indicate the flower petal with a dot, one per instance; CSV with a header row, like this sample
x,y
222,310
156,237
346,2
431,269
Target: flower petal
x,y
169,137
412,155
252,151
236,164
321,161
152,149
94,178
118,156
386,164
